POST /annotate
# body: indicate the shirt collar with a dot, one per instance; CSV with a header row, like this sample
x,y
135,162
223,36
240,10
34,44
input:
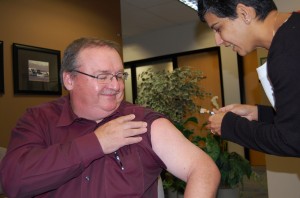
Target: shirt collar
x,y
67,115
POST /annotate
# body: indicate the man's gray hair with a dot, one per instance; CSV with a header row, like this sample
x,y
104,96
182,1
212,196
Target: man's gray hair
x,y
69,61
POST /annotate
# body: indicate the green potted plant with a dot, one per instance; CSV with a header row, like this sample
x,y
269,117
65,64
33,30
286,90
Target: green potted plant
x,y
233,167
173,93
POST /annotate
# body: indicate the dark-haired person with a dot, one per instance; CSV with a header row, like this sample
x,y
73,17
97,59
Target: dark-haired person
x,y
93,144
245,25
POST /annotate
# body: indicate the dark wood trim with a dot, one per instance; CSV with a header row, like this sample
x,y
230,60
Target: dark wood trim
x,y
173,58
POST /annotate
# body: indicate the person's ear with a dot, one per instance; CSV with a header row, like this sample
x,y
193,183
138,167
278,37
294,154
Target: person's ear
x,y
245,13
68,80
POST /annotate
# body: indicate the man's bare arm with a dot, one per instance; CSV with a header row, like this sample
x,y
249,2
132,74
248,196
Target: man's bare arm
x,y
185,160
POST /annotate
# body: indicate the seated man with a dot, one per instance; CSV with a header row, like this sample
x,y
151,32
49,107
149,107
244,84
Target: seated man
x,y
93,144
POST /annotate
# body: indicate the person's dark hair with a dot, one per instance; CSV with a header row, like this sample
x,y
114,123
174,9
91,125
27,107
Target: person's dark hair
x,y
227,8
69,61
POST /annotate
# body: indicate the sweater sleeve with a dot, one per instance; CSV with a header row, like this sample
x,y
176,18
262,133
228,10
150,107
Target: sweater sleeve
x,y
265,113
261,136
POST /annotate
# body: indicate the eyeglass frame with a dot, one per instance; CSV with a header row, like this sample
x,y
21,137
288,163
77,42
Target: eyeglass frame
x,y
124,76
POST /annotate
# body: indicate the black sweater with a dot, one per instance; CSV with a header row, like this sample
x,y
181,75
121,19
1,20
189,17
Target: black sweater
x,y
275,132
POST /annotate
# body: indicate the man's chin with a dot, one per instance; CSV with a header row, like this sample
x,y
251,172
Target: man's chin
x,y
112,106
241,53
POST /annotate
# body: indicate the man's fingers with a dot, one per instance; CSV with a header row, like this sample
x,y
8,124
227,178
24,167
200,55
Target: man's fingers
x,y
132,140
125,118
129,123
134,132
120,132
135,125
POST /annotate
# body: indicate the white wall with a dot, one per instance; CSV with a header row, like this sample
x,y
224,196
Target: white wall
x,y
191,36
283,173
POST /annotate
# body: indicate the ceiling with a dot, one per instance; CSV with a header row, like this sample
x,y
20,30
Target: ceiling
x,y
142,16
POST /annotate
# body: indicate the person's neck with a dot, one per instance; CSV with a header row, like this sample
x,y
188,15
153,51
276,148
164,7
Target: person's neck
x,y
90,113
274,25
270,26
279,20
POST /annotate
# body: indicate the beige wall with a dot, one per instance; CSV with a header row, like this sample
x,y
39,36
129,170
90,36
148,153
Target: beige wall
x,y
49,24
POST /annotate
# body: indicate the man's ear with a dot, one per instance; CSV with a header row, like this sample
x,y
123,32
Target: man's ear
x,y
246,13
68,80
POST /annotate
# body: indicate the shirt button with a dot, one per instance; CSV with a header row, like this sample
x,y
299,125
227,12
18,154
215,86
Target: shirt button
x,y
87,178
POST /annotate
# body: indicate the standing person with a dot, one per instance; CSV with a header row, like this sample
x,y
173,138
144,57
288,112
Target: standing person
x,y
245,25
91,143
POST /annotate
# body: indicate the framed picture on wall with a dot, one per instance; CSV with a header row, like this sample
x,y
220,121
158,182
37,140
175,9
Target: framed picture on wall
x,y
1,69
36,70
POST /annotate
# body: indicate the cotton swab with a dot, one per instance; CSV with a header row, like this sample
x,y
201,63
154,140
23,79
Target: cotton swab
x,y
203,110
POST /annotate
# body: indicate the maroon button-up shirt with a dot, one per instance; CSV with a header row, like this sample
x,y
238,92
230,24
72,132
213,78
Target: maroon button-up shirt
x,y
54,153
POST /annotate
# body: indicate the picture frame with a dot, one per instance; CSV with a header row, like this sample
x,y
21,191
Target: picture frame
x,y
1,69
36,70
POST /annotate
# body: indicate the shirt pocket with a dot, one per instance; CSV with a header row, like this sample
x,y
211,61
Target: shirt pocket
x,y
124,173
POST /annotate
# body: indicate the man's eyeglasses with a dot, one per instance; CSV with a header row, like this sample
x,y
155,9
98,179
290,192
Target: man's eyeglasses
x,y
106,77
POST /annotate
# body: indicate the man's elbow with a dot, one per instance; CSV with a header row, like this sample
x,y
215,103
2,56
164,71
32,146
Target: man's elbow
x,y
210,173
9,187
216,175
11,182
